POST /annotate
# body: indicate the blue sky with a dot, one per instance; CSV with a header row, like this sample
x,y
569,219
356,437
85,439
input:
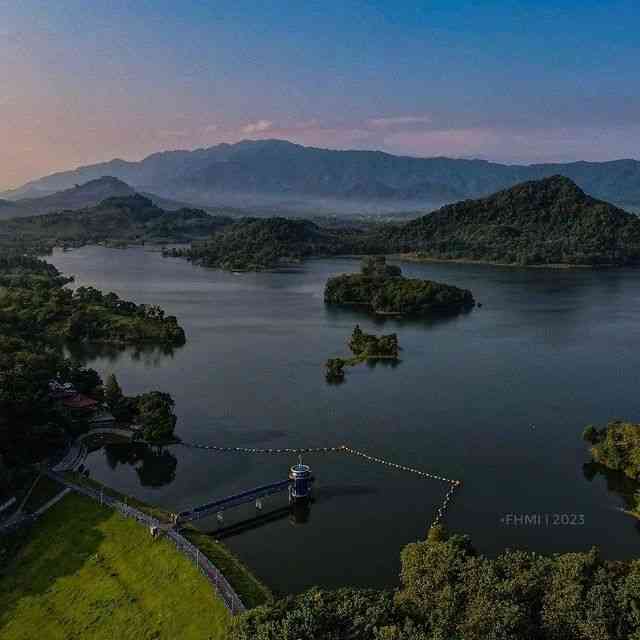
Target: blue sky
x,y
507,81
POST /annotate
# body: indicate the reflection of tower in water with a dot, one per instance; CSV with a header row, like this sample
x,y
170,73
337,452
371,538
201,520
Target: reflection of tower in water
x,y
300,512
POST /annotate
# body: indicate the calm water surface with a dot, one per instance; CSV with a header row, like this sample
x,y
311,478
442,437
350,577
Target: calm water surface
x,y
497,398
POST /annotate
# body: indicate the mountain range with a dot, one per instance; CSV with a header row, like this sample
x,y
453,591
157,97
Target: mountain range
x,y
278,173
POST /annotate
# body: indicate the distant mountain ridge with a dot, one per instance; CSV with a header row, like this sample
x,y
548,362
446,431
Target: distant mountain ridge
x,y
82,196
89,194
277,168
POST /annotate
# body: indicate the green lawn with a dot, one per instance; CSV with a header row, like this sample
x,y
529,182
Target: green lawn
x,y
87,572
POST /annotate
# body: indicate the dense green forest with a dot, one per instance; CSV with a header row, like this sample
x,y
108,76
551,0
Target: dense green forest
x,y
548,221
382,289
35,302
252,244
449,591
37,314
116,220
616,446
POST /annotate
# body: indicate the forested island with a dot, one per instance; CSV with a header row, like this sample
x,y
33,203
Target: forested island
x,y
382,289
364,346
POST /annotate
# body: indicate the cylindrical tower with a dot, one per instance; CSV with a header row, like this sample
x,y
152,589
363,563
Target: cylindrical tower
x,y
301,481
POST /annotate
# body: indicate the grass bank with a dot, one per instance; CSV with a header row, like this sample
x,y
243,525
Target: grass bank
x,y
251,591
88,572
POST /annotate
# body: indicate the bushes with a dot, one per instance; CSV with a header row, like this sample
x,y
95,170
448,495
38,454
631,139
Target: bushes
x,y
617,446
449,591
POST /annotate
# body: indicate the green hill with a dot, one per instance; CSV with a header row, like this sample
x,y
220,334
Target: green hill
x,y
132,218
549,221
263,243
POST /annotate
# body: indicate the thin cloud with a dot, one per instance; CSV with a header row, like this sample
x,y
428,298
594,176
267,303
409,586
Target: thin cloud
x,y
173,133
257,127
398,121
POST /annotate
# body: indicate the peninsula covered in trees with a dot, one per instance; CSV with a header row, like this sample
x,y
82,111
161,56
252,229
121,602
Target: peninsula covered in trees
x,y
35,301
254,244
382,289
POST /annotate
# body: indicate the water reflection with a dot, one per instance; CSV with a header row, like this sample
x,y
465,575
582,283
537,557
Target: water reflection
x,y
339,314
298,512
149,354
618,483
155,466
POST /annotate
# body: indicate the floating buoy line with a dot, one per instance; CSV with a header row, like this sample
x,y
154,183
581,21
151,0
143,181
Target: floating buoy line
x,y
440,513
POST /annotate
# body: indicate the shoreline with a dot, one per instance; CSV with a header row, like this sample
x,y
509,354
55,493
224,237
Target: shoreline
x,y
413,257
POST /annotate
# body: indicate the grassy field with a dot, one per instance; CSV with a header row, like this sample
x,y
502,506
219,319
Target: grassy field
x,y
87,572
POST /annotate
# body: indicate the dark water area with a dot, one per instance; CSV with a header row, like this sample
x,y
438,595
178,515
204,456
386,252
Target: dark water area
x,y
497,398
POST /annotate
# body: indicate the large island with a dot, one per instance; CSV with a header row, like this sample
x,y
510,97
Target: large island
x,y
382,289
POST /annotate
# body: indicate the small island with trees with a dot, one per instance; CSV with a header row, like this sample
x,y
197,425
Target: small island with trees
x,y
381,288
365,347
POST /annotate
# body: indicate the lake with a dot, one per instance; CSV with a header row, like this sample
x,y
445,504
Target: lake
x,y
497,398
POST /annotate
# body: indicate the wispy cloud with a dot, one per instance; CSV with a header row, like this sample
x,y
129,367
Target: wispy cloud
x,y
211,128
398,121
257,127
173,133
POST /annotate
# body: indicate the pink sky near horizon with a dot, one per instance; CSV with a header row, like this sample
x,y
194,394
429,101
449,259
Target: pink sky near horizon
x,y
80,85
64,140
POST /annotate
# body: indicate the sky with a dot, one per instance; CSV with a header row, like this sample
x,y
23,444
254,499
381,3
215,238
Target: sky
x,y
509,81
